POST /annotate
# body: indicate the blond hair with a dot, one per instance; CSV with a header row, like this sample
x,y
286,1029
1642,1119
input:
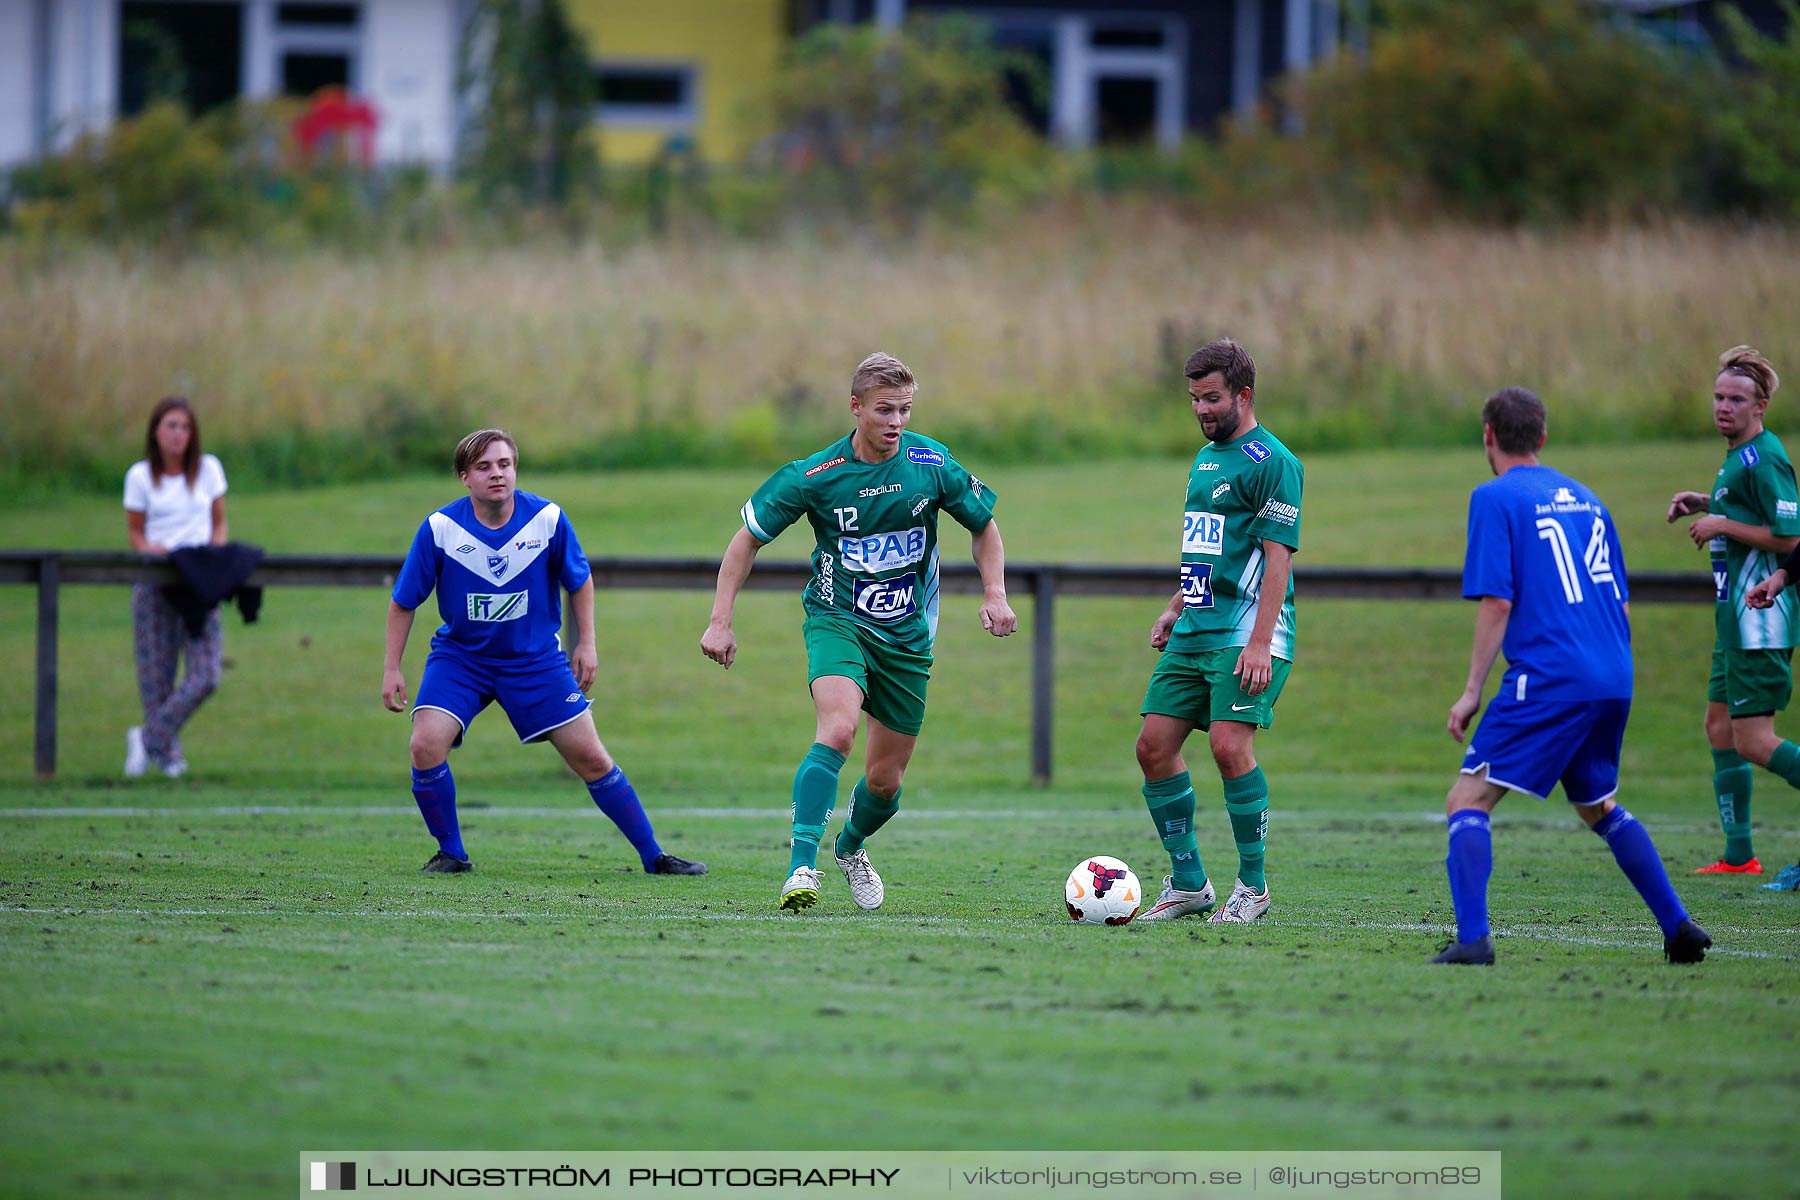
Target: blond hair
x,y
878,371
1748,362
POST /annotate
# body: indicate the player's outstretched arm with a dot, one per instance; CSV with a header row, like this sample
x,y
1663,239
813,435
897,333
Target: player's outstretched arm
x,y
719,643
1685,504
1490,632
584,660
393,683
997,616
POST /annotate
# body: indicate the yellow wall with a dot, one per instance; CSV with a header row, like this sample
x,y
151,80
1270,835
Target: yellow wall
x,y
736,44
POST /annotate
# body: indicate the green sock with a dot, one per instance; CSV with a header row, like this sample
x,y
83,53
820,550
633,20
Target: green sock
x,y
815,793
1785,762
1171,803
1732,778
1247,803
868,812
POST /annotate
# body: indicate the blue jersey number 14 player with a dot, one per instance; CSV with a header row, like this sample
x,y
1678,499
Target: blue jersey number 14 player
x,y
499,560
1543,559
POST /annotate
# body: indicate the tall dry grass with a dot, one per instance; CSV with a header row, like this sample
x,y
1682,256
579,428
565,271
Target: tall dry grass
x,y
1075,325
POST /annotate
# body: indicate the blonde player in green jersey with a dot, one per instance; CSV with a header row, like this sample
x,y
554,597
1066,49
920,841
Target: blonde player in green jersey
x,y
872,499
1752,521
1227,637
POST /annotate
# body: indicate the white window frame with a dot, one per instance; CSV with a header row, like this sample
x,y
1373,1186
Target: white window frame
x,y
673,118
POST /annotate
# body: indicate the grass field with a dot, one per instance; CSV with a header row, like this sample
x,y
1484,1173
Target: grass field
x,y
206,976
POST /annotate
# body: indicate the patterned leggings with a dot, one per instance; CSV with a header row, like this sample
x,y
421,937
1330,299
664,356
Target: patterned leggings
x,y
159,637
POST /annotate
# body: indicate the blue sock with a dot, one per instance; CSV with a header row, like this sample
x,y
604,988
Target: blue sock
x,y
1637,857
1470,862
616,798
435,793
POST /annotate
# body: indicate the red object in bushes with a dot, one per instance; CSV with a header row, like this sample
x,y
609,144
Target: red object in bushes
x,y
335,122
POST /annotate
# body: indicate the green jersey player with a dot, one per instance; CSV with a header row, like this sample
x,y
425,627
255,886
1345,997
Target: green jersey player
x,y
1752,521
1227,636
872,499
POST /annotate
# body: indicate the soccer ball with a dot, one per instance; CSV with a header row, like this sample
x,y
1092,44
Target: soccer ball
x,y
1102,891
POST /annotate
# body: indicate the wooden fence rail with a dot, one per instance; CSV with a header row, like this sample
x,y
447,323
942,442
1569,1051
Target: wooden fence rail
x,y
50,570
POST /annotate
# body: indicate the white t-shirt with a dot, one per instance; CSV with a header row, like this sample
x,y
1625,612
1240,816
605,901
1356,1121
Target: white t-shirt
x,y
175,515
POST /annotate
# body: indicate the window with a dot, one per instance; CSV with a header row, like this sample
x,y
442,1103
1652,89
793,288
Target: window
x,y
304,74
661,96
319,15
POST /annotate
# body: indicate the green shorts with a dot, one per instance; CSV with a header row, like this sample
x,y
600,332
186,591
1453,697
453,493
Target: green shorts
x,y
1751,683
891,677
1201,688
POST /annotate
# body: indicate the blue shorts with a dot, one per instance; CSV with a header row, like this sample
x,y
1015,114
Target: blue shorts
x,y
1531,746
538,694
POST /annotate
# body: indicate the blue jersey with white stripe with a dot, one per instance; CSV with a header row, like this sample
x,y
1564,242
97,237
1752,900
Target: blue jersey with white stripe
x,y
499,590
1546,543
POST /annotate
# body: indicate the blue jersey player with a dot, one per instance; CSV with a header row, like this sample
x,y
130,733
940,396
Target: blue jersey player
x,y
499,561
1543,559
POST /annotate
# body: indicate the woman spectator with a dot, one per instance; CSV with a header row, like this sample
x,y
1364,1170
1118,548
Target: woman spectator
x,y
175,497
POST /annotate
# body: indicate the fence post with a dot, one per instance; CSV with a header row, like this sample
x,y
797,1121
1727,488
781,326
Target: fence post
x,y
1043,673
48,585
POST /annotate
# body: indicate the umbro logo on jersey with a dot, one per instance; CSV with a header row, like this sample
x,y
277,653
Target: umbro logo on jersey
x,y
1257,451
497,565
466,548
572,697
829,463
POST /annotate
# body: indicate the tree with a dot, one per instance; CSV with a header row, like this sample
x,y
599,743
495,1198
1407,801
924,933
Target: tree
x,y
529,81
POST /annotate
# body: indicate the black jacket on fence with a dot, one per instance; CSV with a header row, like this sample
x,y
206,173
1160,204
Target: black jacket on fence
x,y
211,574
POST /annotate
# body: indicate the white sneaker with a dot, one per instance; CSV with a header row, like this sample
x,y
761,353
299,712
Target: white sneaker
x,y
1244,906
175,768
137,759
1174,902
865,884
801,889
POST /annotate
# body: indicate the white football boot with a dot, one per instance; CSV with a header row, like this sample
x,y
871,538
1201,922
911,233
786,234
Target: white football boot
x,y
865,884
137,759
1244,906
1174,902
801,889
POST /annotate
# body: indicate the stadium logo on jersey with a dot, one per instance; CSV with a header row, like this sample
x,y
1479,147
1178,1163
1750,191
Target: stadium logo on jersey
x,y
506,606
829,463
1202,533
1196,585
1220,490
1257,451
883,490
886,599
882,552
1749,455
1205,466
1283,514
466,548
497,565
925,456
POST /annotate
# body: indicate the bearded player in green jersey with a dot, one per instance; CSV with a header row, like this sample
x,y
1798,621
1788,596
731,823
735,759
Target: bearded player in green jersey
x,y
1227,637
1752,521
872,499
